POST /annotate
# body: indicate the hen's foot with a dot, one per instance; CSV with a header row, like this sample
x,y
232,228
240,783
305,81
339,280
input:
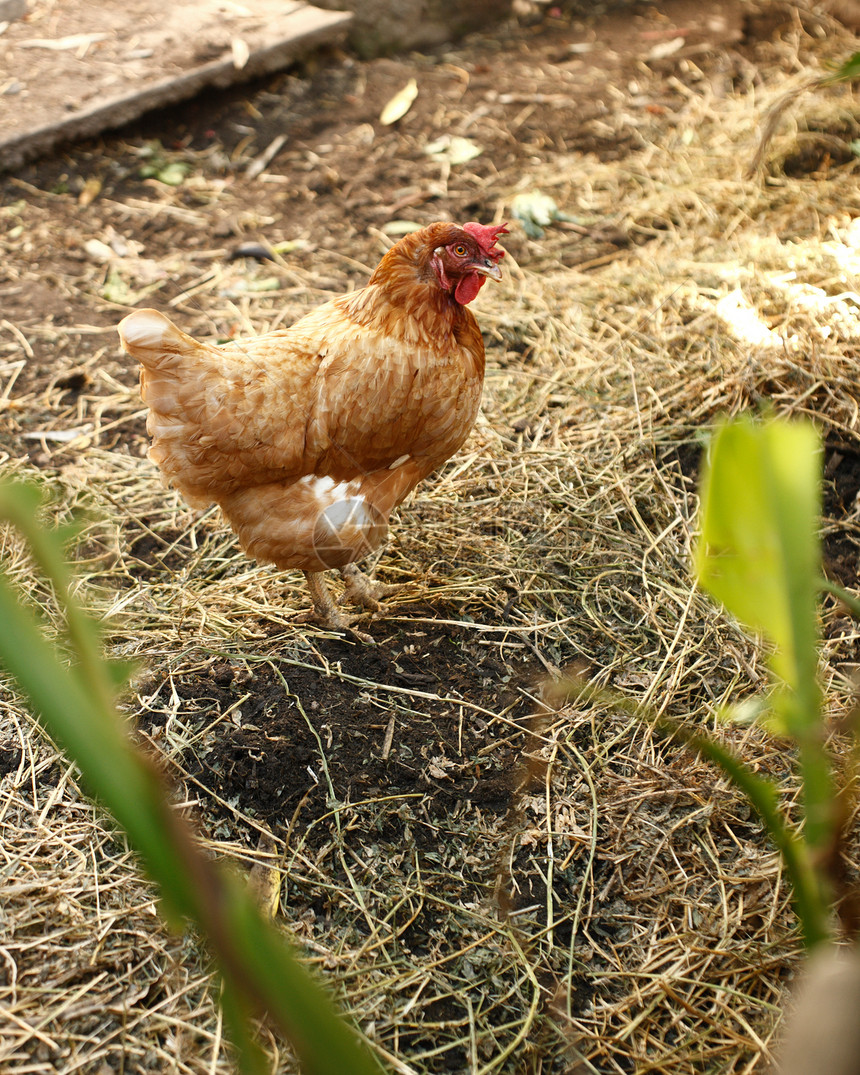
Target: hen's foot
x,y
326,613
359,589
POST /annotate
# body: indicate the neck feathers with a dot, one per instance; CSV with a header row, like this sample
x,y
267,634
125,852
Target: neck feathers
x,y
403,299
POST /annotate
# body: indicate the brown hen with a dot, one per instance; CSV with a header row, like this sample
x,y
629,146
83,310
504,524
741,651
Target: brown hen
x,y
308,437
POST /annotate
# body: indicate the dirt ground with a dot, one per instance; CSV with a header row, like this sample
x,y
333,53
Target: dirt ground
x,y
490,881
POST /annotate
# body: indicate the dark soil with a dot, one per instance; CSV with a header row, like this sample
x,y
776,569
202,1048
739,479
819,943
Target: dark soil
x,y
304,740
841,489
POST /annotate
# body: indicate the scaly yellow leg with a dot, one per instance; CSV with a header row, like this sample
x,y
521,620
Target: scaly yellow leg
x,y
326,612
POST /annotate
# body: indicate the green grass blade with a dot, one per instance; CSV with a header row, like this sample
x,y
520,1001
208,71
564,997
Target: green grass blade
x,y
74,704
20,504
251,1058
72,715
305,1018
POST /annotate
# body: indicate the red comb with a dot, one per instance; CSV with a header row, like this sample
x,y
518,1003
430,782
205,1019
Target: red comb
x,y
485,236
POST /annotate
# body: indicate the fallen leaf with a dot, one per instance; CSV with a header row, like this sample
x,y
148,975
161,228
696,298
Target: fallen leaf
x,y
254,251
266,283
173,174
97,250
115,289
666,48
534,210
399,104
59,436
400,227
90,191
453,149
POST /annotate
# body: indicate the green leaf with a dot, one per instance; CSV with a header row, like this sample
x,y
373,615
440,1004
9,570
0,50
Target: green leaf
x,y
849,70
116,290
173,173
759,552
237,1018
535,211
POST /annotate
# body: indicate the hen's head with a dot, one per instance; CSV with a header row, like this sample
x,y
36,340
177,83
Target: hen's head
x,y
455,259
463,257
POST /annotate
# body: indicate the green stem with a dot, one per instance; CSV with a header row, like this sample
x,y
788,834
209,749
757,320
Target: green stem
x,y
848,599
810,902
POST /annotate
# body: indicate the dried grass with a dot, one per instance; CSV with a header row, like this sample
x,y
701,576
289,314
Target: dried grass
x,y
649,926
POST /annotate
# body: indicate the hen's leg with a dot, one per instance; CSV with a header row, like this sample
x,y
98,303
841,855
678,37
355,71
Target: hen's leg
x,y
326,612
359,589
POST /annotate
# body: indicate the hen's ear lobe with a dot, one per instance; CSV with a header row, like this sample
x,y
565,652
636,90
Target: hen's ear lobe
x,y
436,264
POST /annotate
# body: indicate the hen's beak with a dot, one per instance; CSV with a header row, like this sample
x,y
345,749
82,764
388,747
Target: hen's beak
x,y
487,267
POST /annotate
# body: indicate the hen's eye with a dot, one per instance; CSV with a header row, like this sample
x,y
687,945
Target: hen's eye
x,y
460,250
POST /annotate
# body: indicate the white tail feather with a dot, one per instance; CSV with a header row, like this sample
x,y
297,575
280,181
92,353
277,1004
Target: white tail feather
x,y
144,328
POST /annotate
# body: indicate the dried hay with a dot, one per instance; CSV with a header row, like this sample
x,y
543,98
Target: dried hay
x,y
622,910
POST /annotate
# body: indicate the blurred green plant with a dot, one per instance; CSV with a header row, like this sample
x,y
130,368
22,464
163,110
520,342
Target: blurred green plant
x,y
161,165
758,553
848,70
74,699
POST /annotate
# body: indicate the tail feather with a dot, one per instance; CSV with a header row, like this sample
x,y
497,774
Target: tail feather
x,y
211,431
155,342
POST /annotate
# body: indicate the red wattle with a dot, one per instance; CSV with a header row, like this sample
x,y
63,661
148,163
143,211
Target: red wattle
x,y
468,288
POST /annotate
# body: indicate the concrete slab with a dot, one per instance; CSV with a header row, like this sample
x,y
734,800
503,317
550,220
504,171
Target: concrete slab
x,y
73,69
12,9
